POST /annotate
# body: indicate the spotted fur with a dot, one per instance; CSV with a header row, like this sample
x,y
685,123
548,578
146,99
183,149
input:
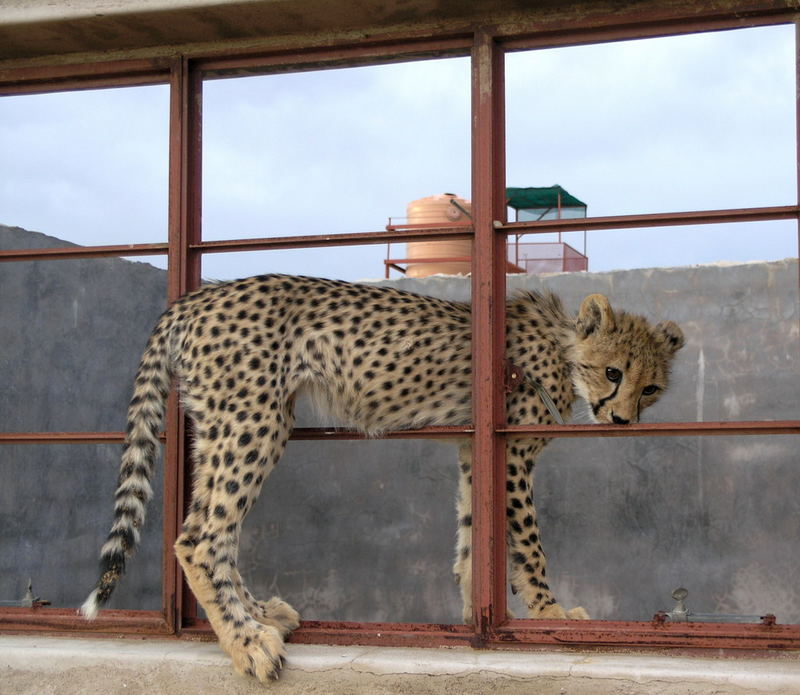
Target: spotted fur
x,y
380,359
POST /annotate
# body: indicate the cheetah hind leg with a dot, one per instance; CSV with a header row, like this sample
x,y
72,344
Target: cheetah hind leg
x,y
208,551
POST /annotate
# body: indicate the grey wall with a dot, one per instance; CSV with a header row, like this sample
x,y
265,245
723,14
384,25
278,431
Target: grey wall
x,y
70,332
364,530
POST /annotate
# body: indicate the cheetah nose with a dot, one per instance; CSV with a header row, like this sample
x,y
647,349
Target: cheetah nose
x,y
618,420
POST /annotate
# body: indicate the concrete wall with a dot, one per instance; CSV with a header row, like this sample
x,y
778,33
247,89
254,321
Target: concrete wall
x,y
71,331
364,530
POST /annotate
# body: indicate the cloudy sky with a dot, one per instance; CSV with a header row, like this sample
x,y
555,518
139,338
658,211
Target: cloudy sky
x,y
685,123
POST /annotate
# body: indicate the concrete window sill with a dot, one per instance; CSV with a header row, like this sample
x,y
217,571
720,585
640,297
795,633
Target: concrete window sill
x,y
61,665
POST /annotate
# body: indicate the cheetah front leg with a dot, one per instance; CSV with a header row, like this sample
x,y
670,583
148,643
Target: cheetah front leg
x,y
527,559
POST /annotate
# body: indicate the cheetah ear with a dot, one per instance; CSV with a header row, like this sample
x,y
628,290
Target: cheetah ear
x,y
595,314
671,334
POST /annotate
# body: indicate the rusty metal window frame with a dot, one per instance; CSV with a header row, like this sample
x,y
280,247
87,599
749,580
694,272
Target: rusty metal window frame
x,y
487,47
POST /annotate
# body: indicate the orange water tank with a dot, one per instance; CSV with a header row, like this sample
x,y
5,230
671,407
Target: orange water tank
x,y
432,210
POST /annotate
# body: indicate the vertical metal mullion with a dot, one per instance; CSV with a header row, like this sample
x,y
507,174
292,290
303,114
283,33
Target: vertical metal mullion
x,y
797,137
488,339
183,275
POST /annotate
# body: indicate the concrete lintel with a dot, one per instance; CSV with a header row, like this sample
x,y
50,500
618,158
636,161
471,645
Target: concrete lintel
x,y
49,665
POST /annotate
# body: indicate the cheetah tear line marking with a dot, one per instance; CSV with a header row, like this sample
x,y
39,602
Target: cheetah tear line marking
x,y
379,359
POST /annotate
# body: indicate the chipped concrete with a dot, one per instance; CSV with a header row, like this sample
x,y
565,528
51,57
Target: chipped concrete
x,y
43,665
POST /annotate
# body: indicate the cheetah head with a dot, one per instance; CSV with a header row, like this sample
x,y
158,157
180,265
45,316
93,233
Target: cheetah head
x,y
621,362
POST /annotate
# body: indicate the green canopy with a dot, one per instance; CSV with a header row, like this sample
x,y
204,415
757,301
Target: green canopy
x,y
541,198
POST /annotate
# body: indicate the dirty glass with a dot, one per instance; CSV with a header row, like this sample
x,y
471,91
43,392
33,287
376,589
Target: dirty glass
x,y
56,505
86,167
333,151
624,522
353,530
740,360
698,122
73,333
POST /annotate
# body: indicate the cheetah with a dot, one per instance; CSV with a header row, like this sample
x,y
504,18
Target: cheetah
x,y
379,359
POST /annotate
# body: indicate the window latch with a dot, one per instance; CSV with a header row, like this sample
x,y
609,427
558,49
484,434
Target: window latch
x,y
681,614
28,600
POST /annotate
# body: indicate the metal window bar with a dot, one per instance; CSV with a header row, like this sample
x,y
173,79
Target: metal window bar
x,y
184,249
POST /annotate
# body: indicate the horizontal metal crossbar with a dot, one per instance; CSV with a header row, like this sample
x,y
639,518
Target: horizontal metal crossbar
x,y
656,429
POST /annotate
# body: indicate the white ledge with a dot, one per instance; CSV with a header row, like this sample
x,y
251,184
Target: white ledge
x,y
87,666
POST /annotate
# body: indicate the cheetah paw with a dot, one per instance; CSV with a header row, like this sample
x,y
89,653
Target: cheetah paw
x,y
257,651
556,612
578,613
278,614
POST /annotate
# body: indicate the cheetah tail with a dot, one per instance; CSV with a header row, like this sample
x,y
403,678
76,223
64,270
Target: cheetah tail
x,y
144,422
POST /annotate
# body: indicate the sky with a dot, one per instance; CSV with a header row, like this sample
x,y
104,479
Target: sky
x,y
705,121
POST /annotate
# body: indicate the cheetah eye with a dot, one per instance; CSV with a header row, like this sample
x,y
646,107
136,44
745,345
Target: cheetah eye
x,y
613,374
650,390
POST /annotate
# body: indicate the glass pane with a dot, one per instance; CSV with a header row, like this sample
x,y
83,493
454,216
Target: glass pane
x,y
626,521
358,531
740,359
87,167
334,150
56,504
352,263
671,247
692,122
73,333
349,263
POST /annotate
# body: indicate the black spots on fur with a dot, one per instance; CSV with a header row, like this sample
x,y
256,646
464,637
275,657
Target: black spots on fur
x,y
465,521
242,502
220,511
231,487
244,439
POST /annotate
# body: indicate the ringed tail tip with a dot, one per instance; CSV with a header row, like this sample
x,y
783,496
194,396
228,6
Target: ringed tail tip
x,y
90,607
